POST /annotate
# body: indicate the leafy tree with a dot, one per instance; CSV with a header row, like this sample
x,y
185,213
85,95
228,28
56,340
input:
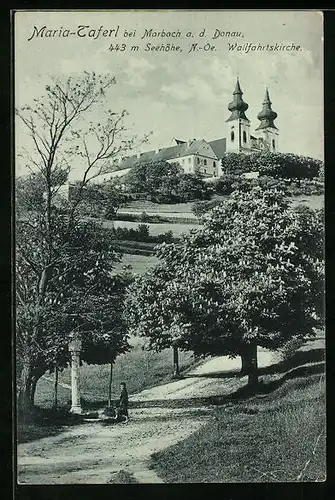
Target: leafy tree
x,y
63,265
102,200
192,187
201,207
252,276
165,182
282,165
81,295
154,178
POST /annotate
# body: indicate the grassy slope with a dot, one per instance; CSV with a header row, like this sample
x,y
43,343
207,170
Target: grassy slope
x,y
314,201
267,438
139,263
139,368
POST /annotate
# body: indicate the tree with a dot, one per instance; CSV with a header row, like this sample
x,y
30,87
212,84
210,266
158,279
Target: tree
x,y
279,165
165,182
100,200
157,179
192,187
252,276
63,264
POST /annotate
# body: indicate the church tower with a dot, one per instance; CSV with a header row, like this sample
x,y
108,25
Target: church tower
x,y
238,134
267,130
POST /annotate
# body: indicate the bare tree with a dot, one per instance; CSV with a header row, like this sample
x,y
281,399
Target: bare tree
x,y
64,135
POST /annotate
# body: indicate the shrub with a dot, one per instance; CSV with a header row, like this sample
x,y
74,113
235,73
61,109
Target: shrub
x,y
291,347
200,207
224,184
142,234
279,165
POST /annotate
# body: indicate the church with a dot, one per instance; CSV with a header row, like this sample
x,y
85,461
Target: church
x,y
204,158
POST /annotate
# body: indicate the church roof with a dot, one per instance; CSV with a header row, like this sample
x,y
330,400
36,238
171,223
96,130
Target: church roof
x,y
237,107
219,147
179,150
267,115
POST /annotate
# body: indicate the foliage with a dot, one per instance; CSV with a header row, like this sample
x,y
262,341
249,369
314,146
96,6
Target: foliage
x,y
139,368
63,265
228,183
290,347
101,201
164,182
224,184
192,187
253,275
153,218
283,165
142,233
81,295
201,207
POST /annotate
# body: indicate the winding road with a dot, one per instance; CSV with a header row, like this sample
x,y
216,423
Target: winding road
x,y
95,453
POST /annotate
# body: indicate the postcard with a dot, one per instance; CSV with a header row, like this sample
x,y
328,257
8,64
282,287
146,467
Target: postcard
x,y
169,194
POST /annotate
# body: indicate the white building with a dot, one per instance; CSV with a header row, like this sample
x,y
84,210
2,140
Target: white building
x,y
204,157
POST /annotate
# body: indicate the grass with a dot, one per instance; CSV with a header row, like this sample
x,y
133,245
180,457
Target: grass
x,y
140,369
139,263
122,477
44,423
313,201
159,208
155,229
279,437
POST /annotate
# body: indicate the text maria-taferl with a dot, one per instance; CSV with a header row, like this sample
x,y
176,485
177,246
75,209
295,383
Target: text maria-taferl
x,y
81,31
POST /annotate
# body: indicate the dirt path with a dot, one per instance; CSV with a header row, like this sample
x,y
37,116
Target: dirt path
x,y
94,453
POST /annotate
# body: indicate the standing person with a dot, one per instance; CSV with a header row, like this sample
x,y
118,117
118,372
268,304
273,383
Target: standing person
x,y
123,403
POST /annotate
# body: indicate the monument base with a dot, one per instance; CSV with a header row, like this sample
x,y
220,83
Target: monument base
x,y
76,409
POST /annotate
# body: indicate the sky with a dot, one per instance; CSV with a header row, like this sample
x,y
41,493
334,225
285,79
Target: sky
x,y
179,94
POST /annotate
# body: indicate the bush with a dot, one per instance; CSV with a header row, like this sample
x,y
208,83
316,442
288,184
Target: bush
x,y
228,183
290,348
142,234
224,184
279,165
163,182
266,182
201,207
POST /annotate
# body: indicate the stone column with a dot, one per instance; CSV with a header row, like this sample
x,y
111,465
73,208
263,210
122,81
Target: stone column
x,y
75,349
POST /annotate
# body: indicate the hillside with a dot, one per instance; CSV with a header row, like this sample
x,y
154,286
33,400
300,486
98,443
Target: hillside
x,y
205,427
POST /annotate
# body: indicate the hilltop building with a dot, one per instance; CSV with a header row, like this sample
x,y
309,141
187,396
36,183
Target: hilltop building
x,y
204,157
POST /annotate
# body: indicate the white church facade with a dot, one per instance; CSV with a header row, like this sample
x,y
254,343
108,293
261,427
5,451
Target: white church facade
x,y
204,157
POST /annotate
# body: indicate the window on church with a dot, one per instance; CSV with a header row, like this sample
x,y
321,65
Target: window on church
x,y
273,144
232,135
244,136
198,159
189,160
205,161
214,164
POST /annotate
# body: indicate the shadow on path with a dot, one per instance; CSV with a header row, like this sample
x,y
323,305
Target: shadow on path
x,y
240,394
298,359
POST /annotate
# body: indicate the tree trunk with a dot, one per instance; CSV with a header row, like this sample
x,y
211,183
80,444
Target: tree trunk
x,y
24,392
176,372
33,384
110,384
249,364
56,387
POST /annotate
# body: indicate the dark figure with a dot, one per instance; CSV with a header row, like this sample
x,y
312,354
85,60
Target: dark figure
x,y
122,411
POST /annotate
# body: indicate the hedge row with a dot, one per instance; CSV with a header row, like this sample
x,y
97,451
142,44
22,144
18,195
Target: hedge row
x,y
279,165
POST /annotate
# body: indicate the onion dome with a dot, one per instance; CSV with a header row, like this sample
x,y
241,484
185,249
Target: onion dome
x,y
267,115
237,106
